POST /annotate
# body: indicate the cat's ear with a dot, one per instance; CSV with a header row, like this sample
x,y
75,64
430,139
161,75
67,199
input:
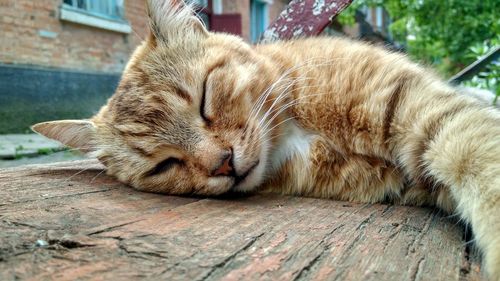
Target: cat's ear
x,y
77,134
174,20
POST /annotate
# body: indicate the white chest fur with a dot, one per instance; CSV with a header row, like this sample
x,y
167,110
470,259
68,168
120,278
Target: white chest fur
x,y
295,143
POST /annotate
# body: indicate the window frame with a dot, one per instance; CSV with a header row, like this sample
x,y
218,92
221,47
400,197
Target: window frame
x,y
258,8
73,14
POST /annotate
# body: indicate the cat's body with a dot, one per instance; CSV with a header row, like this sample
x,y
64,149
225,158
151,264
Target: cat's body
x,y
206,113
371,130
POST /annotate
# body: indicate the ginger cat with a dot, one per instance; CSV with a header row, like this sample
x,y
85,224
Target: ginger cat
x,y
205,113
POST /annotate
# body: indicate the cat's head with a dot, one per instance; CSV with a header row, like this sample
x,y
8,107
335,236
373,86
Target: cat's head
x,y
186,117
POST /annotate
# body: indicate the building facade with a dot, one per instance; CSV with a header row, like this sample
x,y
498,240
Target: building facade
x,y
99,35
63,58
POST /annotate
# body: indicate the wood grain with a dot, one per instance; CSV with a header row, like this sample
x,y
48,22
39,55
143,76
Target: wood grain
x,y
70,221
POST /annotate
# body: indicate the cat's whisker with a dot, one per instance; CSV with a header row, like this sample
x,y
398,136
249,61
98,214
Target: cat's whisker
x,y
288,105
294,80
263,98
100,173
75,174
265,94
104,162
137,34
266,130
275,126
274,137
280,97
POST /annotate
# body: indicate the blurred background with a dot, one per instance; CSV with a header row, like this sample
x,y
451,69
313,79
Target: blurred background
x,y
62,59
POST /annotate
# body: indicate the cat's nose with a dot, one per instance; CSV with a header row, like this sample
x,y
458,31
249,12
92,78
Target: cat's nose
x,y
225,168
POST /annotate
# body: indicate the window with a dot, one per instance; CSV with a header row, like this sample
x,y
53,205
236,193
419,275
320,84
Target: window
x,y
104,8
380,17
258,18
105,14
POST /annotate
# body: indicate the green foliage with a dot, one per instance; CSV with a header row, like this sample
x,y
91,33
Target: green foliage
x,y
17,151
489,77
45,151
438,32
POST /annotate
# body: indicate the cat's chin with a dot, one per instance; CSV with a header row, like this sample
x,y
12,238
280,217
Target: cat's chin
x,y
256,176
252,180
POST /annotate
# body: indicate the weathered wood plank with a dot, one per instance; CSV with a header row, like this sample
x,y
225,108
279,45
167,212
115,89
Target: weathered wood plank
x,y
97,228
303,18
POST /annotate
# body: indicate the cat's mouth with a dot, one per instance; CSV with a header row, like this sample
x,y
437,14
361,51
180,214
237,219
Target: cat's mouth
x,y
238,179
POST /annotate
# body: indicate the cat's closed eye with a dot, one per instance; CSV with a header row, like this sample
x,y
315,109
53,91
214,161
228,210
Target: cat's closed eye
x,y
203,112
164,166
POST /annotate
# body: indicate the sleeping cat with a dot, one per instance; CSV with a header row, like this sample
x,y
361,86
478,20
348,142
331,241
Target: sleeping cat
x,y
206,113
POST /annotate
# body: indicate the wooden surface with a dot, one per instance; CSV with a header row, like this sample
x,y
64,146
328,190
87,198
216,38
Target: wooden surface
x,y
62,222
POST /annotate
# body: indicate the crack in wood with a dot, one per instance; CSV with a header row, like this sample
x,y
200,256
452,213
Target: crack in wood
x,y
68,243
418,269
17,250
392,236
16,223
387,209
465,267
106,229
348,251
232,256
305,271
411,247
366,221
169,268
147,253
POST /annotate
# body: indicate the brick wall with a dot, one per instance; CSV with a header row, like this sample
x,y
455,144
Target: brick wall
x,y
74,46
37,77
23,24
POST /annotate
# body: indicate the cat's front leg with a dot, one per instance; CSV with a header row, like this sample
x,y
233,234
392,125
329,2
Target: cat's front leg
x,y
464,156
478,203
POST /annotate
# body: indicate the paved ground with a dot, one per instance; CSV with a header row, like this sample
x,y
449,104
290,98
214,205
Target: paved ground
x,y
22,149
41,159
